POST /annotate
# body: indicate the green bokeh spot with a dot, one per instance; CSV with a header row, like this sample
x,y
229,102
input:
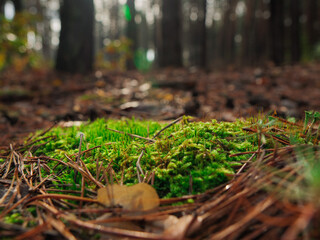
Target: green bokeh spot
x,y
126,11
140,60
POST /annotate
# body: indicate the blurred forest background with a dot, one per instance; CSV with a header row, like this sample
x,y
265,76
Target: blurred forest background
x,y
79,35
156,59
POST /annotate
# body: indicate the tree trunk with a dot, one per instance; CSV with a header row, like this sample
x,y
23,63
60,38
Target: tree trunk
x,y
192,35
260,45
171,50
75,53
277,31
313,23
227,46
248,33
45,32
195,39
203,36
114,20
18,6
2,2
295,31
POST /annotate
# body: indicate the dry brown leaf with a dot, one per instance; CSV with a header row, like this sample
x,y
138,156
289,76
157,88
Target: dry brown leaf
x,y
160,225
185,225
139,197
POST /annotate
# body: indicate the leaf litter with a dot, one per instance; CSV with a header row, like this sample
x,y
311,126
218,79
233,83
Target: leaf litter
x,y
275,195
272,195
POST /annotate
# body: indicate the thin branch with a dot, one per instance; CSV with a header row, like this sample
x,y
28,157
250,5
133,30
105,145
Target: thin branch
x,y
131,135
169,125
139,169
78,157
60,196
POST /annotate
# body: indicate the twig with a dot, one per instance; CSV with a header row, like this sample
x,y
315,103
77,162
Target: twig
x,y
286,142
82,191
169,125
116,231
8,191
33,232
190,184
267,150
60,196
244,165
61,228
10,162
139,167
41,183
78,157
151,177
90,149
5,212
84,172
131,135
31,143
43,132
98,168
104,173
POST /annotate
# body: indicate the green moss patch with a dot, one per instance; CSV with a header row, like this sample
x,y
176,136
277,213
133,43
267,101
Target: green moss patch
x,y
186,158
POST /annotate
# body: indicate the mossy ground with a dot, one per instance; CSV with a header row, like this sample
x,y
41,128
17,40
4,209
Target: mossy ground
x,y
186,152
188,157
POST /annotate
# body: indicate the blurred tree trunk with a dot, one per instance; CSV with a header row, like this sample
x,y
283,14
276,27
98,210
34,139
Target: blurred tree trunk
x,y
196,37
261,31
211,45
203,35
2,2
75,53
227,46
18,6
192,35
131,30
45,31
313,22
277,31
295,31
170,53
114,20
248,32
157,35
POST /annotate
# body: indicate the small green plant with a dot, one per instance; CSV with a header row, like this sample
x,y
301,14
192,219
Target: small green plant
x,y
311,118
14,218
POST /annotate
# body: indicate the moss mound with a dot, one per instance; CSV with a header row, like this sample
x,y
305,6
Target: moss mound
x,y
185,158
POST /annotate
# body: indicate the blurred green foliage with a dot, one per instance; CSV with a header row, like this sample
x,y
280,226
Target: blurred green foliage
x,y
115,54
126,12
15,51
316,52
141,61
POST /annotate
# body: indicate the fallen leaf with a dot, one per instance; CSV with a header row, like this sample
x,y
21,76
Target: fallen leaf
x,y
160,225
139,197
185,225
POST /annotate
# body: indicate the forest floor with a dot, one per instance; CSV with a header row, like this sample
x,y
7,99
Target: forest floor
x,y
33,100
274,196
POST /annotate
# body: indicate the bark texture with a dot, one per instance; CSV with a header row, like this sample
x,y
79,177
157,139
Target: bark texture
x,y
75,53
